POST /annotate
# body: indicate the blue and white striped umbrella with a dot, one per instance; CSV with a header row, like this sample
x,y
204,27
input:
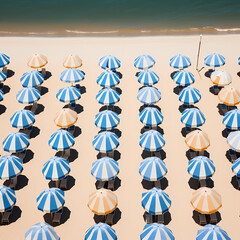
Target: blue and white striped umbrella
x,y
189,95
214,60
239,61
28,95
151,116
41,231
61,140
108,79
144,62
1,95
3,76
4,60
156,231
106,120
32,79
7,198
149,95
201,167
105,142
100,231
68,94
152,140
155,201
56,168
212,232
236,167
180,61
233,140
16,142
109,62
72,75
184,78
148,78
105,169
51,200
108,96
10,167
153,169
22,119
192,117
232,119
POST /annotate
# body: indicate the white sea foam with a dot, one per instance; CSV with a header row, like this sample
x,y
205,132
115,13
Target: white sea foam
x,y
227,29
82,32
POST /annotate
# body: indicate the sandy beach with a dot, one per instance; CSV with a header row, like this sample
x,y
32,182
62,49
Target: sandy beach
x,y
129,193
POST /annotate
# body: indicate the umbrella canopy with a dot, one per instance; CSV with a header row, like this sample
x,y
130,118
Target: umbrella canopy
x,y
184,78
56,168
37,61
197,140
108,96
156,231
7,198
105,142
236,167
192,117
151,116
10,167
22,119
108,79
229,96
221,78
105,169
72,61
1,95
28,95
109,62
233,140
232,119
51,200
61,140
41,231
3,76
106,120
148,78
206,200
149,95
180,61
65,118
72,75
144,62
4,60
152,169
102,202
214,60
189,95
155,201
32,79
152,140
68,94
16,142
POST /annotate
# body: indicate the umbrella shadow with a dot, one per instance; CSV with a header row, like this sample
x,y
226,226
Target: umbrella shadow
x,y
160,154
159,129
117,132
137,73
196,218
167,218
238,73
178,89
116,186
116,155
47,75
190,154
82,89
102,218
152,105
208,73
22,181
231,155
77,131
10,73
149,184
78,108
235,183
223,109
118,73
184,107
15,215
113,108
35,132
215,89
6,89
226,132
2,109
40,108
173,73
118,89
70,183
29,156
195,184
43,90
73,155
186,130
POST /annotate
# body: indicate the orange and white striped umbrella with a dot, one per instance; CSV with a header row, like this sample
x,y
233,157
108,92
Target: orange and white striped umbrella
x,y
206,200
65,118
37,61
102,202
197,140
229,96
72,61
221,78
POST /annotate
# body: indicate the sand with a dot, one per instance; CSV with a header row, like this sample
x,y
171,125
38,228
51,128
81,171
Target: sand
x,y
129,193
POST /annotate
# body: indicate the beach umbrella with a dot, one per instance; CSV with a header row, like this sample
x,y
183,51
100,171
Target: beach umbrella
x,y
16,142
100,231
109,62
229,96
214,60
4,60
37,61
68,94
32,79
105,169
72,75
236,167
180,61
28,95
106,120
148,78
232,119
221,78
239,61
151,116
61,140
233,140
189,95
155,201
192,117
56,168
197,140
41,231
105,142
22,119
149,95
156,231
152,169
108,79
65,118
72,61
184,78
7,198
3,76
1,95
108,96
102,201
144,62
212,232
152,140
206,200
